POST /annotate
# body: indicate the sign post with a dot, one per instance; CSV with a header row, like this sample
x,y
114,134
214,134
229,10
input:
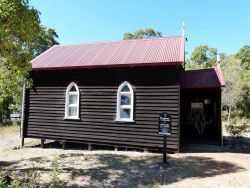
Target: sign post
x,y
165,130
165,149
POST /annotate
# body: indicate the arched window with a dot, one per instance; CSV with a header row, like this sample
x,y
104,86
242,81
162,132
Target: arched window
x,y
72,102
125,103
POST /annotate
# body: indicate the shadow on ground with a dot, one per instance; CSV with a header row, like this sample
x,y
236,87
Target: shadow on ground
x,y
231,144
115,170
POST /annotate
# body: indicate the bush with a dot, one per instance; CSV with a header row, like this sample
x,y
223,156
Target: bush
x,y
55,181
16,122
2,181
237,130
32,178
15,183
8,182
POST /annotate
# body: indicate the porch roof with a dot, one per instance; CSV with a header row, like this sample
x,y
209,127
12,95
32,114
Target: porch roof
x,y
203,78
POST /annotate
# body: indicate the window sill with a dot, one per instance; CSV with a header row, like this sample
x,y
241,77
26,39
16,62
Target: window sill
x,y
124,121
71,118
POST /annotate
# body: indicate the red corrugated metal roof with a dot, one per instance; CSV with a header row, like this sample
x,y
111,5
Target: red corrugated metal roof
x,y
203,78
157,51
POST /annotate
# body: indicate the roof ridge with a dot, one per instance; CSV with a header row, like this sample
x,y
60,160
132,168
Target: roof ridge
x,y
220,75
104,42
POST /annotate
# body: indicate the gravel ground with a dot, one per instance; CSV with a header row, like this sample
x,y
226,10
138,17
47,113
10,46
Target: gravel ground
x,y
103,168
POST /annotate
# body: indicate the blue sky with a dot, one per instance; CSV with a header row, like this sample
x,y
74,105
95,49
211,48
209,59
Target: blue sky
x,y
222,24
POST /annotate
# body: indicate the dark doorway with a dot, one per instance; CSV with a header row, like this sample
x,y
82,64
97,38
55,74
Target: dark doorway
x,y
201,116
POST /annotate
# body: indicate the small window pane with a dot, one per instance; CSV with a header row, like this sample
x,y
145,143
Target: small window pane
x,y
72,99
125,113
125,89
125,100
72,111
73,89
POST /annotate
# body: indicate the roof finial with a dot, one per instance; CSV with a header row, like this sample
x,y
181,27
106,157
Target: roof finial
x,y
183,28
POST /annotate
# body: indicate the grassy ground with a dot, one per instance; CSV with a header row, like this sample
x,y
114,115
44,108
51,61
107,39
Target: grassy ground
x,y
103,168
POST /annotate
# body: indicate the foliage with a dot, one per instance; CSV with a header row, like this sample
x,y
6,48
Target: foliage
x,y
244,103
237,130
15,183
11,182
21,38
203,57
244,56
15,122
19,25
5,103
55,181
45,39
32,178
2,181
189,65
200,56
233,90
141,34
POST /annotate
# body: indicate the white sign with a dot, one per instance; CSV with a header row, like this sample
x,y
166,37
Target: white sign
x,y
15,116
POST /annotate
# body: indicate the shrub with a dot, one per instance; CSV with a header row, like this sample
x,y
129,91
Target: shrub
x,y
32,177
15,183
2,181
16,122
237,130
55,181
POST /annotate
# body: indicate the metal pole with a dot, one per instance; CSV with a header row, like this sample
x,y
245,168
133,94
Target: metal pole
x,y
165,149
22,119
221,127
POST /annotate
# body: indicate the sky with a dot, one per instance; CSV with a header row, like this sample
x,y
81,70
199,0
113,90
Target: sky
x,y
222,24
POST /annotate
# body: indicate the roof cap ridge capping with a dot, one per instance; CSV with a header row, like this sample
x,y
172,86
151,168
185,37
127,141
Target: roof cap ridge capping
x,y
114,41
219,73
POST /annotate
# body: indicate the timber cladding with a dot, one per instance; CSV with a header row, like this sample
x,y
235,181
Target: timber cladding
x,y
156,90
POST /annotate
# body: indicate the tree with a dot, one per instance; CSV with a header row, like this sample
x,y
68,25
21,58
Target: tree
x,y
244,56
189,65
232,92
21,38
141,34
244,103
198,120
19,25
203,57
46,39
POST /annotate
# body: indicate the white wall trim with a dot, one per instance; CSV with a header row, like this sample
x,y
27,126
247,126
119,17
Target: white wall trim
x,y
67,105
119,106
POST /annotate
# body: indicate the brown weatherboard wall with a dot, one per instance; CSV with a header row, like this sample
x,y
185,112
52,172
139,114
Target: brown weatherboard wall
x,y
156,90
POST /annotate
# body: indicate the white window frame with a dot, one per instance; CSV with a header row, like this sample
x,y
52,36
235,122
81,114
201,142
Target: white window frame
x,y
67,105
119,106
